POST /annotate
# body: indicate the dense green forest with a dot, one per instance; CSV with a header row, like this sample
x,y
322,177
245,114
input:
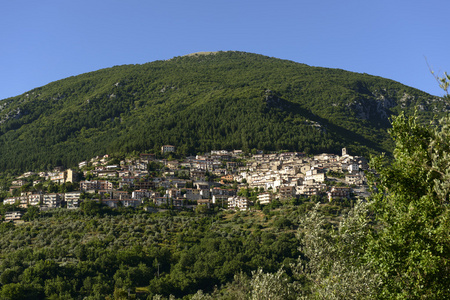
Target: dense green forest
x,y
225,100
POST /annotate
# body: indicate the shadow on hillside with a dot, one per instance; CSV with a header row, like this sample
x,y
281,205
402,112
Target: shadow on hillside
x,y
348,137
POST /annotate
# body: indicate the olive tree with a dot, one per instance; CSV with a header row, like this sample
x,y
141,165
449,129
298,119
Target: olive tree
x,y
411,248
333,264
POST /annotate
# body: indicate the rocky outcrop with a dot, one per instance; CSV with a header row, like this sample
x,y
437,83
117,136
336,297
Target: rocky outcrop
x,y
373,108
13,114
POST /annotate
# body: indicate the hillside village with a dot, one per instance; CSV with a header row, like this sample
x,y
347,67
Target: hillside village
x,y
215,179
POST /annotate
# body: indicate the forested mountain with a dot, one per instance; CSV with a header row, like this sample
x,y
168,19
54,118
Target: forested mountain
x,y
202,102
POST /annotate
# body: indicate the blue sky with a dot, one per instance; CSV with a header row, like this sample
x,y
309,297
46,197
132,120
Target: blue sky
x,y
47,40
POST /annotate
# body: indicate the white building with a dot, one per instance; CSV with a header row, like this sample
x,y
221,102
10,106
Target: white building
x,y
72,199
95,185
238,202
52,200
353,168
141,194
316,175
10,201
265,198
34,199
13,216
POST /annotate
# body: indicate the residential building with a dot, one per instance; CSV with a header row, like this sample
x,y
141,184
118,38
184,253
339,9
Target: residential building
x,y
82,164
172,164
338,192
121,195
237,202
265,198
318,175
72,199
173,193
147,157
225,192
58,178
111,202
206,202
23,201
131,202
13,216
311,189
107,173
219,198
68,175
36,182
167,149
198,174
161,200
52,200
141,194
226,178
353,168
95,185
193,194
179,202
144,184
26,174
286,192
19,182
10,201
127,181
71,176
355,179
35,199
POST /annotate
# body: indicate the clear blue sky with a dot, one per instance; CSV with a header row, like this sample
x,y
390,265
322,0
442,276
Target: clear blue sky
x,y
47,40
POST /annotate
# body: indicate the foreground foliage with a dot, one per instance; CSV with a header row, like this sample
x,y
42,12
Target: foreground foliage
x,y
411,251
335,266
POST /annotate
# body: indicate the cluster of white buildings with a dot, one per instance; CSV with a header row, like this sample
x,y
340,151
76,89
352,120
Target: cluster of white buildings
x,y
57,176
290,175
45,200
184,183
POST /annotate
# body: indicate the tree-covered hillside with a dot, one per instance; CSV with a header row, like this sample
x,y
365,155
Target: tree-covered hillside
x,y
224,100
89,254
